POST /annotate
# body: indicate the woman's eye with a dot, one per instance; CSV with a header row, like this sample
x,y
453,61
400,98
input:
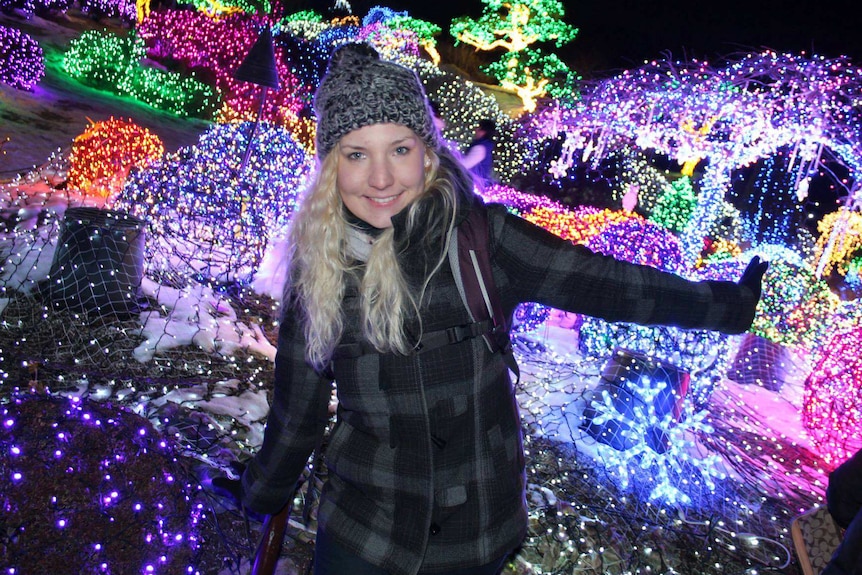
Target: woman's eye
x,y
401,150
354,156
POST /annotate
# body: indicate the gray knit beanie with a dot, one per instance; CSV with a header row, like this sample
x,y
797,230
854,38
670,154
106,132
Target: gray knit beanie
x,y
360,89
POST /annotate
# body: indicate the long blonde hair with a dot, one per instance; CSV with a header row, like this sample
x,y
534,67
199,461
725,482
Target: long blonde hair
x,y
318,261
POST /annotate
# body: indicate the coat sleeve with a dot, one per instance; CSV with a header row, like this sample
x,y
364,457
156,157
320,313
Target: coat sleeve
x,y
544,268
296,422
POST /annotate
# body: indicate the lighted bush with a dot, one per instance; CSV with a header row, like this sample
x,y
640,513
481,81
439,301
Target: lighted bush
x,y
34,6
209,221
102,156
112,63
639,241
169,91
101,59
22,63
91,488
832,402
217,48
122,9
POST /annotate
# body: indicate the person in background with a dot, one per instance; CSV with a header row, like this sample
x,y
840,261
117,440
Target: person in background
x,y
425,462
844,501
479,158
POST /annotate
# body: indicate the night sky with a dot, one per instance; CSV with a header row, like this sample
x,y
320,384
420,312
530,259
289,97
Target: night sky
x,y
616,34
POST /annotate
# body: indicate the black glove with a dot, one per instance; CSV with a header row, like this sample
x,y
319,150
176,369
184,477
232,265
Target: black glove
x,y
230,488
753,275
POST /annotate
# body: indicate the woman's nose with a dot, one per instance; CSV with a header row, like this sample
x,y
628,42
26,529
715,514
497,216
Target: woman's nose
x,y
381,175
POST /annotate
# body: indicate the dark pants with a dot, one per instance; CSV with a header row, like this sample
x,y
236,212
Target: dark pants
x,y
844,501
332,559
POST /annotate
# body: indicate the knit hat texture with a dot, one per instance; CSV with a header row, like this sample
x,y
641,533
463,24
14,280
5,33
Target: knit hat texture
x,y
359,89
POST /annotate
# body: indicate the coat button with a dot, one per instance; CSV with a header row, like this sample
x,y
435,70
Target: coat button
x,y
435,529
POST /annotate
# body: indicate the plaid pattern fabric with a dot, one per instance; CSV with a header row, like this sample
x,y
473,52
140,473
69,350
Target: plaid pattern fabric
x,y
426,466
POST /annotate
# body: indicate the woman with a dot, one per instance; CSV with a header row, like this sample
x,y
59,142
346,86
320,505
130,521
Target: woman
x,y
425,463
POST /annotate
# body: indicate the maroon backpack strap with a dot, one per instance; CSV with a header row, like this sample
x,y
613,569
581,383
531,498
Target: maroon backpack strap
x,y
475,280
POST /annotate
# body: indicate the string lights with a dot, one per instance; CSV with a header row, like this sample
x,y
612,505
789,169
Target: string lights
x,y
102,157
206,221
87,483
109,62
22,63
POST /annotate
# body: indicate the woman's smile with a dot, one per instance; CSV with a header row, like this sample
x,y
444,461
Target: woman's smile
x,y
381,170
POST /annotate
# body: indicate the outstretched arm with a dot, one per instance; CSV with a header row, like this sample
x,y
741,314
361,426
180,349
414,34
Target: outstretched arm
x,y
541,267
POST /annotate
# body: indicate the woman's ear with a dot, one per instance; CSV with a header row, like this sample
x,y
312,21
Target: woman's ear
x,y
427,162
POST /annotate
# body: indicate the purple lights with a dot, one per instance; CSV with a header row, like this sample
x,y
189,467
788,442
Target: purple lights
x,y
55,496
22,63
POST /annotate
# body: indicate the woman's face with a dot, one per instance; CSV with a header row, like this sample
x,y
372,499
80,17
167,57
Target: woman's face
x,y
381,169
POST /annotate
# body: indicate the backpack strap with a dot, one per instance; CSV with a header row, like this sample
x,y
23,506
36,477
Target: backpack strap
x,y
470,260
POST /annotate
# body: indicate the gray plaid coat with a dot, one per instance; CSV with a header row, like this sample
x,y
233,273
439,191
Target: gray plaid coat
x,y
425,462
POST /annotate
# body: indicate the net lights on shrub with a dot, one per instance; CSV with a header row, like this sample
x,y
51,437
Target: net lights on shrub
x,y
832,400
22,63
112,63
103,155
93,486
219,47
204,220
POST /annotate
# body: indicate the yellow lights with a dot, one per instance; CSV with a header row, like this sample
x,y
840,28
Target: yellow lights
x,y
840,239
103,155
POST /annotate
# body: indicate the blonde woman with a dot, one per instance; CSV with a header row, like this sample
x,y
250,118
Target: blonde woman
x,y
425,462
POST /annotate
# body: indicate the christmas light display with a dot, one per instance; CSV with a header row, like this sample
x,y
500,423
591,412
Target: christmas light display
x,y
102,157
30,7
216,9
22,63
832,404
675,206
111,63
709,490
754,107
463,105
639,241
89,484
218,47
390,43
124,10
101,58
424,30
840,241
205,220
640,411
515,26
529,74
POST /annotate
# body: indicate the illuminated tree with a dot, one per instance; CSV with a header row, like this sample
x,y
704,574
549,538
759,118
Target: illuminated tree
x,y
675,206
424,30
515,26
839,242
